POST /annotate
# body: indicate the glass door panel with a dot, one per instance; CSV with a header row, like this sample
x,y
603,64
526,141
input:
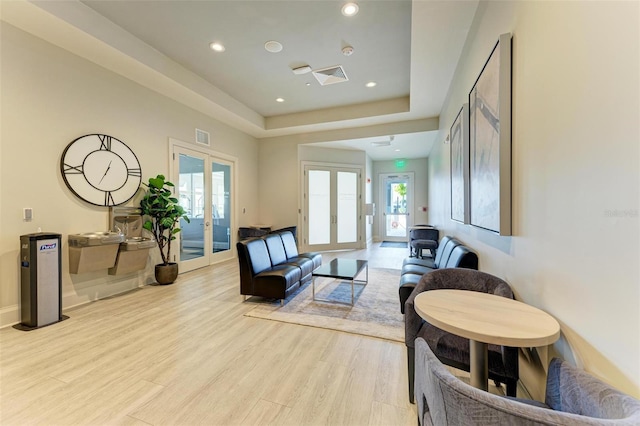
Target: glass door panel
x,y
332,197
347,217
191,198
319,193
397,196
205,190
221,207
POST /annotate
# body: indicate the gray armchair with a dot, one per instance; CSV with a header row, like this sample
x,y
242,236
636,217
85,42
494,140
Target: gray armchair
x,y
573,398
423,237
451,349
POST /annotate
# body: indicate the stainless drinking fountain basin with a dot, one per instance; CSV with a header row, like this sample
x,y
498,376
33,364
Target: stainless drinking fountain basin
x,y
88,239
137,243
93,251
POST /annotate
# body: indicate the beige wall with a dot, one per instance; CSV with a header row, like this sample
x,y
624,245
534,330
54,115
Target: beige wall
x,y
575,246
49,98
279,166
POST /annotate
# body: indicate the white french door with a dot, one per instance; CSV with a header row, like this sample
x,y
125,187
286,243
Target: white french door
x,y
331,208
396,190
204,188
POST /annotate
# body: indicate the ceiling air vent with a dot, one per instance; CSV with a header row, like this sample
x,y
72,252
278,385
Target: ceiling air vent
x,y
202,137
330,75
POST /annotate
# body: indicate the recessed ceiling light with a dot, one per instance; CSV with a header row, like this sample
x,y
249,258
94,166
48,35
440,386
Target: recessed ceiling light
x,y
396,150
279,99
217,46
349,9
273,46
308,84
371,84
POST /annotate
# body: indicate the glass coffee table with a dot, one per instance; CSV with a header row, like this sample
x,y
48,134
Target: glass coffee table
x,y
341,269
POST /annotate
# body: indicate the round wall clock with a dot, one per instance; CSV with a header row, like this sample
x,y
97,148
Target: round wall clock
x,y
101,170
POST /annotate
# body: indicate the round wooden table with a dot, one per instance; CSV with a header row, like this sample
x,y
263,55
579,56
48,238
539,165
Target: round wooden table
x,y
485,318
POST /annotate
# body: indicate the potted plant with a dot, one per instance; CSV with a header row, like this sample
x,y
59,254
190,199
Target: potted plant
x,y
164,214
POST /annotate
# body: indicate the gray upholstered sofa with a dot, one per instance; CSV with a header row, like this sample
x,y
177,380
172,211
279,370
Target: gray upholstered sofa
x,y
573,397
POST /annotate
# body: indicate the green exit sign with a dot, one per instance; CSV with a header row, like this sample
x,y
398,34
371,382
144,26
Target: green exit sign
x,y
400,164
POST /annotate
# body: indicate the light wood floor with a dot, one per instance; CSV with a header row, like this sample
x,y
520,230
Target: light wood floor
x,y
184,354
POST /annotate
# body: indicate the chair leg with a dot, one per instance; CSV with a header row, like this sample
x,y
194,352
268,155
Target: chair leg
x,y
411,368
512,387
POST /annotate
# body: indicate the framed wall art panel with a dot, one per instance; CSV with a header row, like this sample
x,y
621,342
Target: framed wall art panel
x,y
459,144
490,142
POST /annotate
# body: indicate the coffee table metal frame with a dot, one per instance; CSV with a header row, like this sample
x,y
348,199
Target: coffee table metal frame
x,y
341,269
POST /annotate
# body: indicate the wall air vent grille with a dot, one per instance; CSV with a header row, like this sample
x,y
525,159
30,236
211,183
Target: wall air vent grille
x,y
330,75
202,137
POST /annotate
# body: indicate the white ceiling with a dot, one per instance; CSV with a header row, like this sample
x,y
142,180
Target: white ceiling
x,y
409,48
311,33
405,145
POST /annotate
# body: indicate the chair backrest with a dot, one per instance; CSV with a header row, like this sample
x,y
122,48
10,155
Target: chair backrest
x,y
257,255
446,252
462,257
424,234
444,399
276,249
441,246
466,279
575,391
289,242
292,229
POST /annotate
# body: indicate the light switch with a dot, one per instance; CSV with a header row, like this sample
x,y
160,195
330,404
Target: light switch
x,y
27,213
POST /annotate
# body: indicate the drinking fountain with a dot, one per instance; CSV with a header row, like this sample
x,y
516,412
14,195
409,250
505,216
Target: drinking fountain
x,y
133,251
93,251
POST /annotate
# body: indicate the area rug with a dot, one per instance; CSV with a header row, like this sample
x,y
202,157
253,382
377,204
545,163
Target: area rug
x,y
394,244
376,310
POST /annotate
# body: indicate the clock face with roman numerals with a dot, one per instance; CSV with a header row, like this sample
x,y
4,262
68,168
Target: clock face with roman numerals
x,y
101,170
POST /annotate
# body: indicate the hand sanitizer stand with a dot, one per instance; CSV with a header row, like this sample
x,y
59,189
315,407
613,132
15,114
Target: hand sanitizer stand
x,y
40,280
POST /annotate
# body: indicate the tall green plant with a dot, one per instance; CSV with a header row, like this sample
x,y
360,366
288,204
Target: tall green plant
x,y
164,214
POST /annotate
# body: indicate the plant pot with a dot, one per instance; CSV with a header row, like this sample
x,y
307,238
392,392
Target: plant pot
x,y
166,274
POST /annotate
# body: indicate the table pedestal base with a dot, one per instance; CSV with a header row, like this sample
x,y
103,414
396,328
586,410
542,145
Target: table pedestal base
x,y
479,364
